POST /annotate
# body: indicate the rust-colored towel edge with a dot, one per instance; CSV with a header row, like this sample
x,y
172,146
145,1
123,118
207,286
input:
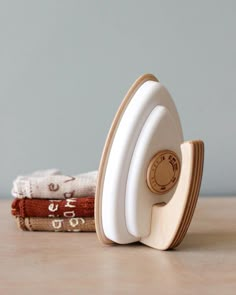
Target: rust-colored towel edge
x,y
69,208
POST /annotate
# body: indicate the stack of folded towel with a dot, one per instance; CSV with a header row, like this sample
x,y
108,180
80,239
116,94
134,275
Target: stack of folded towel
x,y
49,201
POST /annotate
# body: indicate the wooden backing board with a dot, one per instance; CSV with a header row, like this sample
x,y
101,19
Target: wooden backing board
x,y
170,222
192,200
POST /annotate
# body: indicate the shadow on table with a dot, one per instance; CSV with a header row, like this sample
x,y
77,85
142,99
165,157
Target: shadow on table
x,y
210,241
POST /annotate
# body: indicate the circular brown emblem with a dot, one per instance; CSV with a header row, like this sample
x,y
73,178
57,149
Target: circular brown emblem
x,y
163,172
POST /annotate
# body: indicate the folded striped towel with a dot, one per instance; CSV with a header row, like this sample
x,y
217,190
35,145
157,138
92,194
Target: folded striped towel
x,y
75,207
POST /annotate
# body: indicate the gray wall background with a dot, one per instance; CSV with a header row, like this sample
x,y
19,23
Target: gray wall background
x,y
66,65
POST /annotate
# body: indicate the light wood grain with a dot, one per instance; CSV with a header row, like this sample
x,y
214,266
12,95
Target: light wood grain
x,y
71,263
170,222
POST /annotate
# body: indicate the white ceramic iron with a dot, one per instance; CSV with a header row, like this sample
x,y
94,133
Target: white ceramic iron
x,y
149,179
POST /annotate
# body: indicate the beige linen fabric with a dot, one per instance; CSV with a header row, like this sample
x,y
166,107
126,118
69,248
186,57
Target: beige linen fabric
x,y
51,184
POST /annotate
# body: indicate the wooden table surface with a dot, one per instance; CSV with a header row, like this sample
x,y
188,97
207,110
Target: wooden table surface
x,y
76,263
